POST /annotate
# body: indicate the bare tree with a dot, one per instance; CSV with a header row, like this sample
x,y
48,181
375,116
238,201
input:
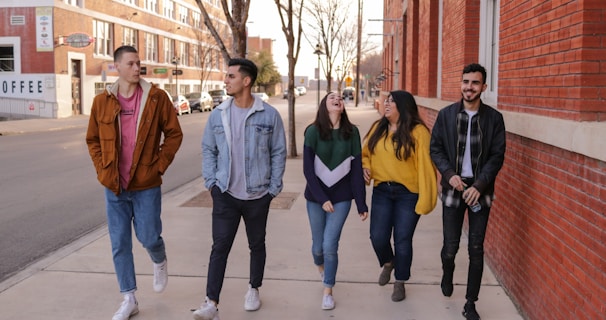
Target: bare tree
x,y
205,48
348,44
328,19
237,23
290,14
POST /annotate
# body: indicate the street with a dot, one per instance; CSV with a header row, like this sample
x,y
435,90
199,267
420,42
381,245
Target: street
x,y
50,195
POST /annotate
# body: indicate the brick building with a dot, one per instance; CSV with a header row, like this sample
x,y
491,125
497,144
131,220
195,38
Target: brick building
x,y
546,63
56,55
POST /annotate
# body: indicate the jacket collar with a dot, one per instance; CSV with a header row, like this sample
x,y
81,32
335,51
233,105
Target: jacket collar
x,y
257,104
113,89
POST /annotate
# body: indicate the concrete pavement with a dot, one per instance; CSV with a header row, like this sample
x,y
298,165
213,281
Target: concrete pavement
x,y
78,281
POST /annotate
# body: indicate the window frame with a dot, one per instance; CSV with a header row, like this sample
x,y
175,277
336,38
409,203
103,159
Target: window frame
x,y
489,48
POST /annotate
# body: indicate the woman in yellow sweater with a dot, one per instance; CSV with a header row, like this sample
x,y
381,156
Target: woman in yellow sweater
x,y
395,155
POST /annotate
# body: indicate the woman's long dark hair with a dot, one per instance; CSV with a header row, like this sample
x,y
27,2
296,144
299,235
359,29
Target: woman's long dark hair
x,y
322,122
402,139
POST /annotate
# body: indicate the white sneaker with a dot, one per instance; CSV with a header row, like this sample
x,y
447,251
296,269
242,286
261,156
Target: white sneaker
x,y
328,302
160,276
128,308
251,299
207,311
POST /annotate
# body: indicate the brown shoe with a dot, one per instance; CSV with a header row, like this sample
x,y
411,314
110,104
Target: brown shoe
x,y
385,275
399,292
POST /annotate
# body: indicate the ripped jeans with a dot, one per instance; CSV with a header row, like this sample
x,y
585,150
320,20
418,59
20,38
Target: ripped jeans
x,y
452,222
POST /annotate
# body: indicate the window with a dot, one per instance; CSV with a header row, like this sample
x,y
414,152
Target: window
x,y
183,14
169,50
133,2
103,35
100,86
489,48
195,17
7,59
196,55
169,9
151,5
184,53
151,47
129,37
76,3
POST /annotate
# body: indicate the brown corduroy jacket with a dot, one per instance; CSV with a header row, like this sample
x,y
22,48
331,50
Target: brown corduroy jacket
x,y
152,155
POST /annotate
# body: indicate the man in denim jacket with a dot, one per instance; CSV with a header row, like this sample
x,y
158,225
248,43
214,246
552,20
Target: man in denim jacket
x,y
243,160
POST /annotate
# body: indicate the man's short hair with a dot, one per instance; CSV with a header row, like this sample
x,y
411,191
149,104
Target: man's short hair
x,y
247,68
121,50
475,67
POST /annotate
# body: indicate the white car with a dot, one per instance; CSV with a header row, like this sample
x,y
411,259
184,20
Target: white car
x,y
181,105
302,90
262,95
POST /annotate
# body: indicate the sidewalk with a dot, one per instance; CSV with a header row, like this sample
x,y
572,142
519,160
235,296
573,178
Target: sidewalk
x,y
78,282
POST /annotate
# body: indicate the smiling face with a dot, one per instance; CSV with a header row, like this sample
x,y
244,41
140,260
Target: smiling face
x,y
129,67
334,103
472,86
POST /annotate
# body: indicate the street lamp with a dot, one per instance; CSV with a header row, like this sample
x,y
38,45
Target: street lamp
x,y
318,52
175,61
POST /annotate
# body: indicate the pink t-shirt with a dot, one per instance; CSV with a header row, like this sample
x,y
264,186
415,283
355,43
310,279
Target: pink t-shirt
x,y
128,124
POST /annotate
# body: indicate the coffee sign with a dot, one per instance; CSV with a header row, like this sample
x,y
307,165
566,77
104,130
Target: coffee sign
x,y
79,40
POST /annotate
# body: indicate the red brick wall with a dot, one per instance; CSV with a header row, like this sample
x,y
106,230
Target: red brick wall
x,y
546,235
546,240
460,43
552,58
33,61
428,49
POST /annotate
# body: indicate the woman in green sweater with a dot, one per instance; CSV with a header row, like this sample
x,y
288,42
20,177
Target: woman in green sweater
x,y
395,155
332,164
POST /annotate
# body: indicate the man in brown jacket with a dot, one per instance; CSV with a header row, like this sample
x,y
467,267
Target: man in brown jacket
x,y
124,140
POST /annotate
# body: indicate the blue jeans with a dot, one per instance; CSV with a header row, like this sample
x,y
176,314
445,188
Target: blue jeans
x,y
227,212
141,210
452,222
393,209
325,234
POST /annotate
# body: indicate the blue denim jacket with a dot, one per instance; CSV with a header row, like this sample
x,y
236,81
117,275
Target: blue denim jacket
x,y
265,143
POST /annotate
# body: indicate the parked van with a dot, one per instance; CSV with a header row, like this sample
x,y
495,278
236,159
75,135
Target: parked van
x,y
219,96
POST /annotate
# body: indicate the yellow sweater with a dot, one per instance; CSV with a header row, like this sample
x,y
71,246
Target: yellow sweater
x,y
417,173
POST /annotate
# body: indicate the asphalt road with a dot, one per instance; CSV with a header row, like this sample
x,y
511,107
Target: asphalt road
x,y
50,195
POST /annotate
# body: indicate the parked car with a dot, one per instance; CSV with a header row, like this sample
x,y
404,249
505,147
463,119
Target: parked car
x,y
218,96
302,90
348,93
262,95
285,94
201,101
181,105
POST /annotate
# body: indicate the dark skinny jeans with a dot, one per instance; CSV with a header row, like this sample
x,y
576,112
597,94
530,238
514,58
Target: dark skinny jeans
x,y
452,222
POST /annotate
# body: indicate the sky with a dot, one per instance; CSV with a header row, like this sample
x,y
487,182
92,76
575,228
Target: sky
x,y
264,22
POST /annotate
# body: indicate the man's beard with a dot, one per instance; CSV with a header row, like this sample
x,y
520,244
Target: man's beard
x,y
473,97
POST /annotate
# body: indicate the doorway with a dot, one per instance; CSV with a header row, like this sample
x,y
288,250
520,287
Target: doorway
x,y
76,85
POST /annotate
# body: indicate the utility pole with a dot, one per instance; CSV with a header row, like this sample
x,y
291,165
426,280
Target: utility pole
x,y
357,95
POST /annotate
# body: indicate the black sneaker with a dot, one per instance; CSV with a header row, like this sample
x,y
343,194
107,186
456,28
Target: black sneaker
x,y
469,311
446,284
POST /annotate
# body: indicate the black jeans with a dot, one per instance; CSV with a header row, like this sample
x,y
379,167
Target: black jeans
x,y
452,222
226,215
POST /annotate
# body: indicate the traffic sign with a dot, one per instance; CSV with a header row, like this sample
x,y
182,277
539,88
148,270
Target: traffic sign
x,y
177,72
160,70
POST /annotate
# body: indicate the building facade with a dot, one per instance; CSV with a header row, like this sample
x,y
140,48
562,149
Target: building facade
x,y
546,63
56,55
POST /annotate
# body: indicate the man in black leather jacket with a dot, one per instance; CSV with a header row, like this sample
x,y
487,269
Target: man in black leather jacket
x,y
468,148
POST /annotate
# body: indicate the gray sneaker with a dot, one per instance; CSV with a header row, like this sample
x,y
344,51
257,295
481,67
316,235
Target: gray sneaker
x,y
207,311
251,299
399,292
385,275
